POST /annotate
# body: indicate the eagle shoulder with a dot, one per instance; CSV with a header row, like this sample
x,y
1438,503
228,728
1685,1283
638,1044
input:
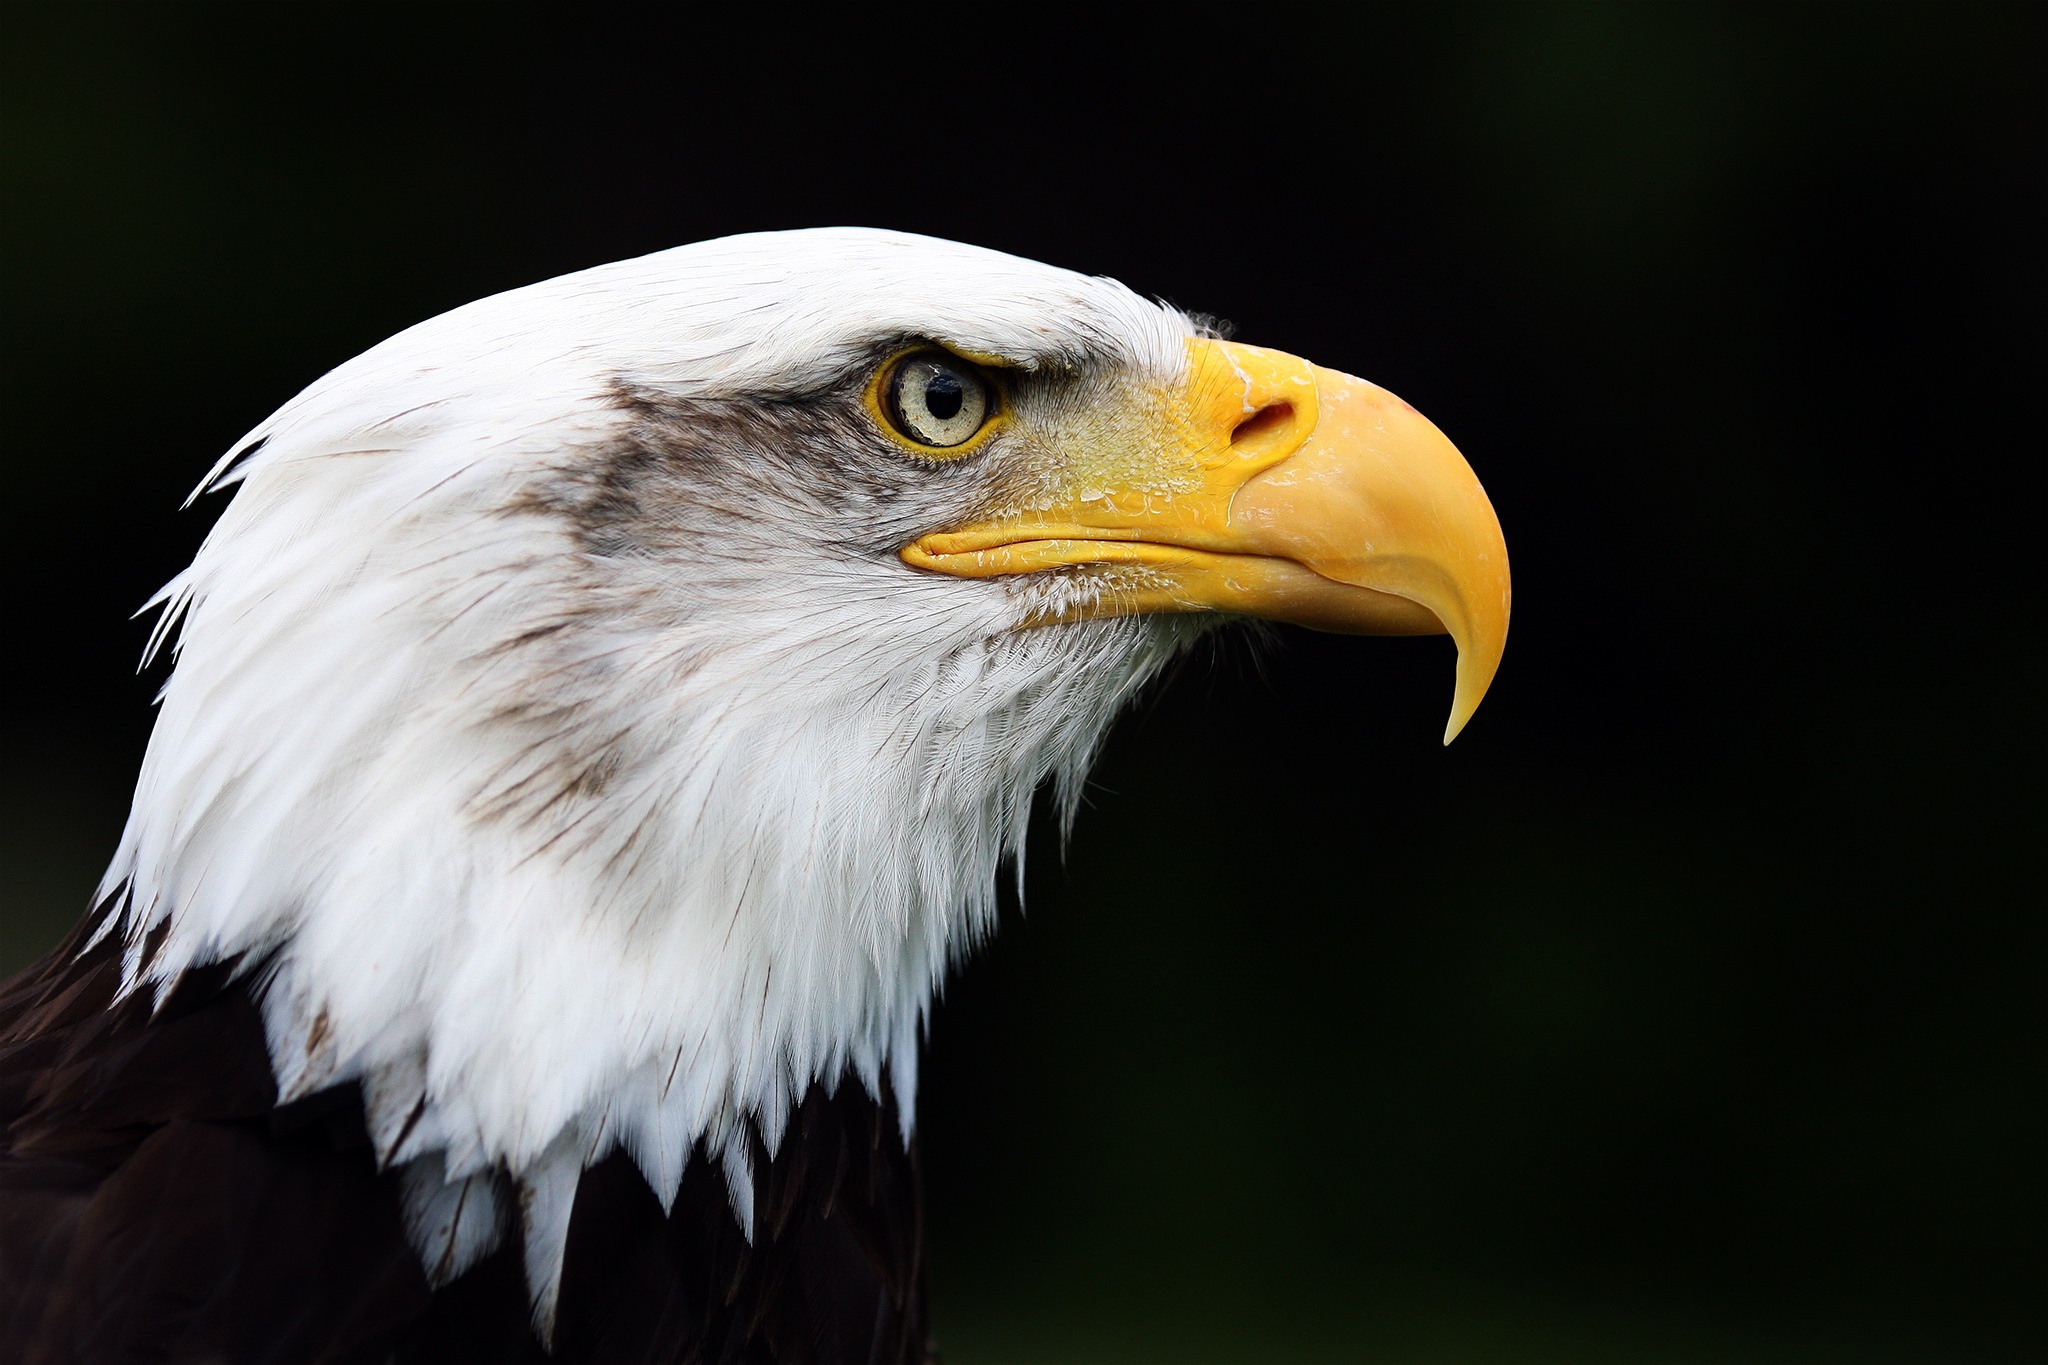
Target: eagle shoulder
x,y
156,1201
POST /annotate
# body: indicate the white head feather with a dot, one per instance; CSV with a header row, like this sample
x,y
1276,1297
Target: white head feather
x,y
555,842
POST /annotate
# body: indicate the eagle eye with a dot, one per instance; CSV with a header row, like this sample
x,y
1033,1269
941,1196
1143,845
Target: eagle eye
x,y
936,399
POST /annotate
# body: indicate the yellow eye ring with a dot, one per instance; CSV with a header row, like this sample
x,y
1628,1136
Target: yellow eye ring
x,y
935,402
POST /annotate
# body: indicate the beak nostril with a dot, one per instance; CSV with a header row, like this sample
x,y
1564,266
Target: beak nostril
x,y
1271,420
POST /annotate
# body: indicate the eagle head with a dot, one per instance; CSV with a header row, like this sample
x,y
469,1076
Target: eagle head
x,y
602,711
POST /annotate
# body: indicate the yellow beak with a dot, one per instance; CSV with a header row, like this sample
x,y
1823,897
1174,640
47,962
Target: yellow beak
x,y
1283,491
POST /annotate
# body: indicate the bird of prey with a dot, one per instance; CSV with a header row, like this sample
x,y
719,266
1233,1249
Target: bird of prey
x,y
598,722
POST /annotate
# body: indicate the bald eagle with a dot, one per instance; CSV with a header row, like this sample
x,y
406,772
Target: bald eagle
x,y
598,722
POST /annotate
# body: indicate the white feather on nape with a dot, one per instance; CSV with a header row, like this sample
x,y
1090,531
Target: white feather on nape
x,y
799,781
547,1194
453,1223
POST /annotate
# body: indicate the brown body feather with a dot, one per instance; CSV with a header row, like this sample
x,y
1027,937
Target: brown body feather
x,y
156,1203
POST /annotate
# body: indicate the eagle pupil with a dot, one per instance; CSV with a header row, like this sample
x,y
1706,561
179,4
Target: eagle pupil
x,y
944,395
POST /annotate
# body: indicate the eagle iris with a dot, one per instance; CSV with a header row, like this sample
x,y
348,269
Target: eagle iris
x,y
937,400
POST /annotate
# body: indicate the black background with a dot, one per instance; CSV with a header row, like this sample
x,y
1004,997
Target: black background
x,y
1688,1008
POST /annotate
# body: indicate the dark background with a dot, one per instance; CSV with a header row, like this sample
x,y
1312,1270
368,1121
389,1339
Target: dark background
x,y
1687,1009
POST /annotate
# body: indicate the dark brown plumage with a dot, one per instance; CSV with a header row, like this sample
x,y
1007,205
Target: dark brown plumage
x,y
157,1204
